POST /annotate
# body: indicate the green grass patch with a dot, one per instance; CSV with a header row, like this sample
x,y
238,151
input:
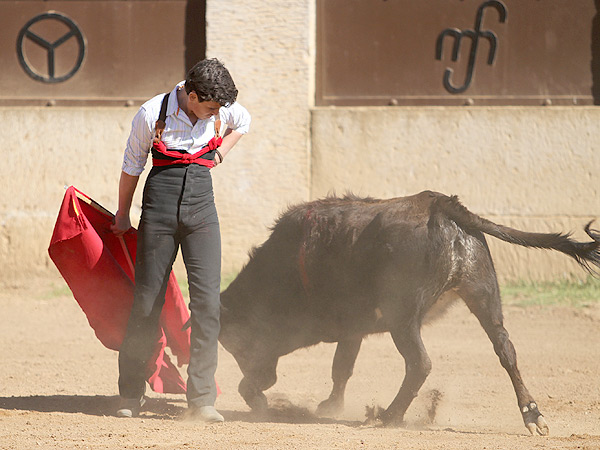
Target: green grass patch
x,y
579,294
56,291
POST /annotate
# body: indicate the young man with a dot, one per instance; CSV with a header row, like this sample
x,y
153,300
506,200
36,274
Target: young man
x,y
178,210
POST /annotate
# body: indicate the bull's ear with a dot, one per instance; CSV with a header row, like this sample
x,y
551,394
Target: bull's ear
x,y
367,240
366,254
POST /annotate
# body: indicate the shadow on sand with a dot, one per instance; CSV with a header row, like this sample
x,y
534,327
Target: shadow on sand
x,y
281,411
93,405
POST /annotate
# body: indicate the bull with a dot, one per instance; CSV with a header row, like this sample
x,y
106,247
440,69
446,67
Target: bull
x,y
339,269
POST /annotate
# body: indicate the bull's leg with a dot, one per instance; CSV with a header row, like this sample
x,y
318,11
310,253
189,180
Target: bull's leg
x,y
418,365
256,381
343,365
484,302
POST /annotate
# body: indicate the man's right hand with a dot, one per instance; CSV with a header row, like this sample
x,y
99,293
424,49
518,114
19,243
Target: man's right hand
x,y
127,184
121,224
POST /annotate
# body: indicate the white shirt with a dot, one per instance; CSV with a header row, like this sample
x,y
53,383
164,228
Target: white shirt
x,y
179,133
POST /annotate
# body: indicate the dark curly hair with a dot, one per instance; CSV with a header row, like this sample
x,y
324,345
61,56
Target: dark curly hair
x,y
212,82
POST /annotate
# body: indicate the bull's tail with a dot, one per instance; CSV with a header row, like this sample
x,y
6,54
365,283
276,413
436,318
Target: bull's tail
x,y
587,254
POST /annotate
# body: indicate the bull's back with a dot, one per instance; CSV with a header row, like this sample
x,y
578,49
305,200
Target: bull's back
x,y
323,270
341,250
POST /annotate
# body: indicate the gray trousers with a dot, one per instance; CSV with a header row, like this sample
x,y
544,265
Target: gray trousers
x,y
178,210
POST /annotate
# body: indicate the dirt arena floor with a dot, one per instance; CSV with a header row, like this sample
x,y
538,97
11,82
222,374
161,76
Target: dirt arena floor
x,y
58,387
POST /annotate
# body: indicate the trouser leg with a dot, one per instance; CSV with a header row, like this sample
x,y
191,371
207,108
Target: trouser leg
x,y
201,250
155,256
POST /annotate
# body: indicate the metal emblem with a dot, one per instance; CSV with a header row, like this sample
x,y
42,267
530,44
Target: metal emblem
x,y
50,47
474,35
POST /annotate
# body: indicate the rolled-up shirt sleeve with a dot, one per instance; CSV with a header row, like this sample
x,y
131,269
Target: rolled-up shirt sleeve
x,y
138,144
236,117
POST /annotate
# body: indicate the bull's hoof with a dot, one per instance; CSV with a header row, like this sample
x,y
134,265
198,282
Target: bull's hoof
x,y
391,421
330,407
377,416
258,403
534,421
254,398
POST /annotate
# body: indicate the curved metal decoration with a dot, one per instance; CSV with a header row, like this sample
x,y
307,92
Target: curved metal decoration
x,y
474,35
50,47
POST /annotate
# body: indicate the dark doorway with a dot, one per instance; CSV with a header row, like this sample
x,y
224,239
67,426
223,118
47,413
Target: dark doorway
x,y
195,32
596,55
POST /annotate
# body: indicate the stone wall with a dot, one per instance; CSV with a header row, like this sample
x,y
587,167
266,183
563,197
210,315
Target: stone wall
x,y
266,47
536,169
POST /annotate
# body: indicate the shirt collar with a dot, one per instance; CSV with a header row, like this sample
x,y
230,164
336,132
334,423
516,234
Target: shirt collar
x,y
173,105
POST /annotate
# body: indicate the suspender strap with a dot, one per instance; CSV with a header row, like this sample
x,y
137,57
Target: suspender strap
x,y
161,122
163,107
218,128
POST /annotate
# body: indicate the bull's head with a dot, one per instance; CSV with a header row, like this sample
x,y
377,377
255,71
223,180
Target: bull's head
x,y
251,346
241,334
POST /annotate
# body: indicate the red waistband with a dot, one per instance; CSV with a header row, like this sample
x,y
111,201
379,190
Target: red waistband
x,y
177,157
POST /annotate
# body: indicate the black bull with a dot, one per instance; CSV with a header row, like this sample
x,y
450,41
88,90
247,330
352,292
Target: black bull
x,y
338,269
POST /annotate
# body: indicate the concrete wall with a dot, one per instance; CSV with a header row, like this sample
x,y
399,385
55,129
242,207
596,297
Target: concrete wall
x,y
49,148
44,150
533,168
536,169
266,47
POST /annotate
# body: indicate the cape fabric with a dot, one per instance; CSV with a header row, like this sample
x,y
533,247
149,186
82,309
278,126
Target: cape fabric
x,y
99,266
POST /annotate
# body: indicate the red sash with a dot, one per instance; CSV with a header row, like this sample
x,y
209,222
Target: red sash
x,y
178,157
181,157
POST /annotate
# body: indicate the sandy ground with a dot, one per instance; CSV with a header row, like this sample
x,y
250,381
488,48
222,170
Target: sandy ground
x,y
58,388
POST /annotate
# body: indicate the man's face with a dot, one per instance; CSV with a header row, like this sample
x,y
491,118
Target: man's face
x,y
202,110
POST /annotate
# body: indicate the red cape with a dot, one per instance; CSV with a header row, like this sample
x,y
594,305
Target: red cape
x,y
99,269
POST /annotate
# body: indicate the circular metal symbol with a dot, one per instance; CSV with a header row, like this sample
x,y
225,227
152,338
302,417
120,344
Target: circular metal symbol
x,y
50,47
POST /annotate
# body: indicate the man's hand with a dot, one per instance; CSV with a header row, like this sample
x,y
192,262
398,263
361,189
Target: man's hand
x,y
121,224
